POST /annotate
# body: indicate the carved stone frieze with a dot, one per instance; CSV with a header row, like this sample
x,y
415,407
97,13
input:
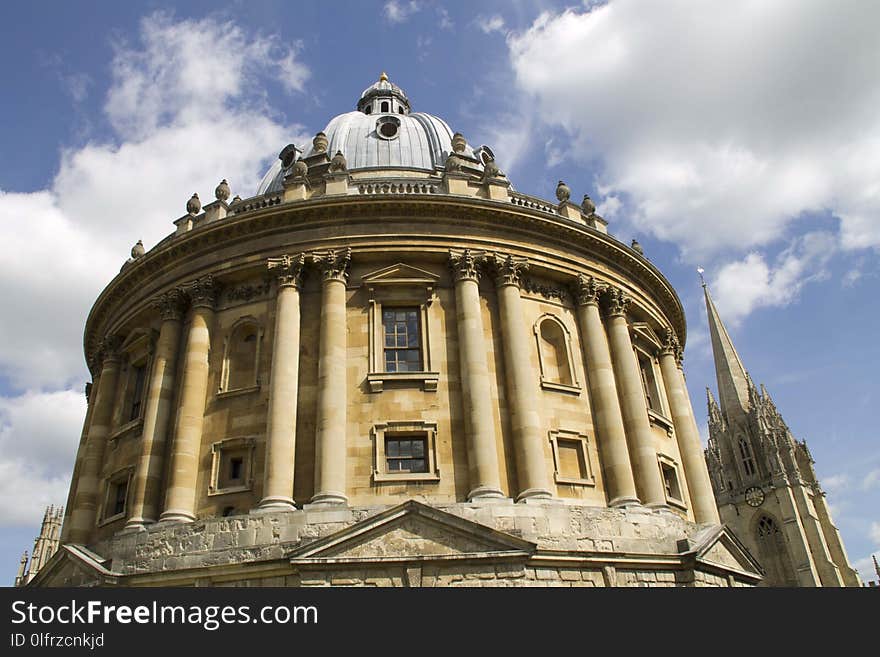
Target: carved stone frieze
x,y
546,290
249,291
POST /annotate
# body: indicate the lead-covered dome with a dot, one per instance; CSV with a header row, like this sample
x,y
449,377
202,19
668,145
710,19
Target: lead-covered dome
x,y
381,134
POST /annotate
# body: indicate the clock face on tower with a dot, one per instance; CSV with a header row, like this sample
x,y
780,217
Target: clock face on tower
x,y
754,496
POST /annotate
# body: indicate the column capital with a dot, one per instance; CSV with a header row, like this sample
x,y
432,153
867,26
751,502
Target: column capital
x,y
464,266
671,346
289,270
616,301
171,305
587,290
334,264
203,292
108,350
506,269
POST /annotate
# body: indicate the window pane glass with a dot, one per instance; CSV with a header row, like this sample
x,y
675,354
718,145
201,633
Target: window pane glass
x,y
393,448
418,448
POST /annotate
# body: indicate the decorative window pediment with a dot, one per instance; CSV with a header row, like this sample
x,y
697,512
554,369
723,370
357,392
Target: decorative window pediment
x,y
400,340
240,373
555,355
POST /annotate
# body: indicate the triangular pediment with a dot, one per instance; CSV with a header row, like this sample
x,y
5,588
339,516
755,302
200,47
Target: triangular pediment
x,y
74,565
644,331
400,274
719,546
408,532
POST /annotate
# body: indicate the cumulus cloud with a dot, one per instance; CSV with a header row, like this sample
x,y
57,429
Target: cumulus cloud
x,y
720,124
399,11
836,483
744,285
39,433
182,122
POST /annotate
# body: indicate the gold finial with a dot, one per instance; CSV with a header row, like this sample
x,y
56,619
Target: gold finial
x,y
383,77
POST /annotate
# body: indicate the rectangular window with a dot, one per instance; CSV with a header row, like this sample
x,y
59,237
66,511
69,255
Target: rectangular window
x,y
406,454
571,460
120,492
403,340
236,468
649,383
670,481
138,376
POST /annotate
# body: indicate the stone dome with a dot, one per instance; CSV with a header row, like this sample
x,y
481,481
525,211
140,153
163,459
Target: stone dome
x,y
382,134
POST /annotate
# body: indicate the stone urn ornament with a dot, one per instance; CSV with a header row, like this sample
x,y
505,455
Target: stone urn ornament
x,y
193,205
588,206
222,192
137,250
338,163
563,192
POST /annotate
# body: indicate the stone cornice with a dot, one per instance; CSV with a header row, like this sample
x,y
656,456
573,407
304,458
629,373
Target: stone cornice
x,y
270,219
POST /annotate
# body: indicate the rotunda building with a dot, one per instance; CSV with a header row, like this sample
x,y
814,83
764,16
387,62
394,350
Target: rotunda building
x,y
388,367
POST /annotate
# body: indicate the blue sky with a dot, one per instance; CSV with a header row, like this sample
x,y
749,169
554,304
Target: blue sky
x,y
740,137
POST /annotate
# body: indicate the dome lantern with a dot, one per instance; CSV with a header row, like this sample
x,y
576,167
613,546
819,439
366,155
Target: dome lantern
x,y
383,97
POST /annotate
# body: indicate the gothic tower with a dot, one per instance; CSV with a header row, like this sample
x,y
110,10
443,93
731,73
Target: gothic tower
x,y
764,481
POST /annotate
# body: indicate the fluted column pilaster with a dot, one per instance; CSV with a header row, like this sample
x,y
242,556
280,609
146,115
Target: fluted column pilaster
x,y
146,491
522,389
180,495
616,466
330,443
283,387
484,474
632,403
688,436
85,503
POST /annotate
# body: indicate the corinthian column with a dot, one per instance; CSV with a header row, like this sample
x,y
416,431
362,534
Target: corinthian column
x,y
147,481
485,480
689,446
180,496
632,402
85,502
531,465
330,461
281,426
616,468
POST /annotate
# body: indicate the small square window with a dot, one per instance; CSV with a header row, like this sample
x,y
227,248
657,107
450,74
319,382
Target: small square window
x,y
671,482
232,466
571,457
406,454
116,496
405,451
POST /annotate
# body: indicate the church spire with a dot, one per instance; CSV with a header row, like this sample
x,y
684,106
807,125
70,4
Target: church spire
x,y
733,382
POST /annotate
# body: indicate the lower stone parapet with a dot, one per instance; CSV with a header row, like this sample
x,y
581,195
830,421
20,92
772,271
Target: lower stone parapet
x,y
498,543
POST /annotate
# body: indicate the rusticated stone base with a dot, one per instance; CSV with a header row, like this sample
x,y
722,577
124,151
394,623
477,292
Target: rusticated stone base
x,y
541,543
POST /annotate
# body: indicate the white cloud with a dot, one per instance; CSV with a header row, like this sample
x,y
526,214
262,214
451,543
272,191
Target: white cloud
x,y
835,483
445,21
871,480
739,116
39,433
744,285
489,24
183,121
399,11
